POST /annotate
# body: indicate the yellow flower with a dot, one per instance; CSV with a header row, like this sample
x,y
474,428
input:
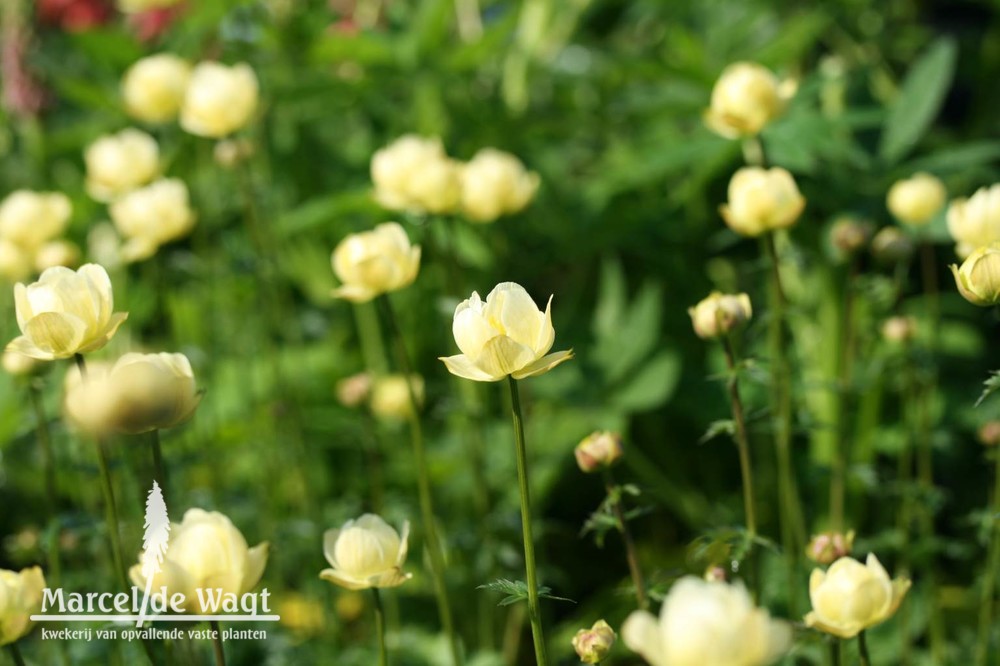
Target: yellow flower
x,y
374,262
302,615
219,99
152,216
851,597
598,449
20,598
364,553
153,87
593,645
18,364
703,622
917,199
65,313
975,222
57,253
718,314
15,261
505,335
32,218
206,552
414,174
390,396
762,200
899,329
120,162
978,279
746,97
354,390
495,183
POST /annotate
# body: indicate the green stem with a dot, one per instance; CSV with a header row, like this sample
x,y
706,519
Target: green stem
x,y
630,553
925,477
15,654
51,487
742,439
434,548
534,609
841,452
220,654
111,514
986,600
159,469
836,652
383,658
863,650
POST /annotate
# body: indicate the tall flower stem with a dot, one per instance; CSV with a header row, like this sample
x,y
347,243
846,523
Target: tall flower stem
x,y
742,439
534,608
835,652
434,548
630,553
159,469
15,654
863,650
220,654
986,600
44,439
838,471
383,659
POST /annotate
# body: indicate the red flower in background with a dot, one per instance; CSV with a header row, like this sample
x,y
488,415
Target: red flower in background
x,y
152,23
74,15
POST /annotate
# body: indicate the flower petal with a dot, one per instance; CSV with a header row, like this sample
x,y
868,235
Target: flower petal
x,y
461,366
641,633
60,334
353,293
22,345
340,578
544,364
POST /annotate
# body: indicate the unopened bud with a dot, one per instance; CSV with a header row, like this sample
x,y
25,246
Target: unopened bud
x,y
899,329
353,391
597,450
828,547
849,236
593,645
891,246
989,433
715,574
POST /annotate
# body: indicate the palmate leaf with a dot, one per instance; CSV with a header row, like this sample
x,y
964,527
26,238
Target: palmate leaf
x,y
517,590
992,384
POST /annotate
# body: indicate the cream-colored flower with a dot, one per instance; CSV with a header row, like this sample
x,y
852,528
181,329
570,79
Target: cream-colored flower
x,y
135,6
598,450
65,313
593,645
495,183
206,552
15,261
153,87
20,598
18,364
505,335
152,216
762,200
354,390
746,97
414,174
219,100
118,163
32,218
390,397
975,222
366,552
978,279
375,262
851,597
105,245
916,200
703,622
899,329
718,314
57,253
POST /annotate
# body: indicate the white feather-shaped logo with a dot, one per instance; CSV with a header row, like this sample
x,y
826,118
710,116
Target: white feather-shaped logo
x,y
154,542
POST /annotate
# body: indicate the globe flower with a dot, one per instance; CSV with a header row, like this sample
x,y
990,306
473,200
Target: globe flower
x,y
152,216
851,597
205,552
354,390
891,246
414,174
375,262
704,622
18,364
20,598
365,553
507,335
593,645
762,200
975,222
57,253
827,547
598,450
65,313
718,314
219,100
495,183
153,87
15,261
390,396
916,200
978,279
29,219
746,97
849,236
121,162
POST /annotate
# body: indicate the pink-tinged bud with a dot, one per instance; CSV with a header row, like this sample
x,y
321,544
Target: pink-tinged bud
x,y
593,645
598,450
354,390
828,547
899,329
849,236
715,574
989,433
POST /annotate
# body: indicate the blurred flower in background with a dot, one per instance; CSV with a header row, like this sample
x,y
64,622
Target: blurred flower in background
x,y
598,450
219,100
593,645
762,200
495,183
390,396
745,99
366,552
916,200
152,216
153,88
827,547
74,15
29,219
371,263
414,174
20,597
718,314
975,222
118,163
132,6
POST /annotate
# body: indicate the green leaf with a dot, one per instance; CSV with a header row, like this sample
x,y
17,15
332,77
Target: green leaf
x,y
652,385
919,100
721,427
992,385
517,590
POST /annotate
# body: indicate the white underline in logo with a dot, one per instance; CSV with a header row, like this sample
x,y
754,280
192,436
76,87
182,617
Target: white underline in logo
x,y
155,618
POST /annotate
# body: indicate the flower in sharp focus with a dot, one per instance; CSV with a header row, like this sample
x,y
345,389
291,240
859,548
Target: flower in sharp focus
x,y
118,163
978,278
65,312
505,335
206,551
704,622
975,222
366,552
762,200
598,450
414,174
593,645
916,200
219,99
495,183
718,314
20,598
746,97
850,597
153,87
375,262
152,216
30,219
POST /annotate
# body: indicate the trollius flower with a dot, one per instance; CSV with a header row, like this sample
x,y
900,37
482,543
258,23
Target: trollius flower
x,y
374,262
365,553
20,597
849,597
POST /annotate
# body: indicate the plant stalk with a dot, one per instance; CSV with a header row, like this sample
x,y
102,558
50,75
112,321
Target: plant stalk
x,y
383,659
630,552
220,654
986,600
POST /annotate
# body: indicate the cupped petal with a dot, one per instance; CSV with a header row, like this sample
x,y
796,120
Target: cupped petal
x,y
392,578
60,334
256,561
502,356
546,333
114,323
22,345
544,364
354,293
641,634
813,621
404,543
340,578
330,546
472,330
462,366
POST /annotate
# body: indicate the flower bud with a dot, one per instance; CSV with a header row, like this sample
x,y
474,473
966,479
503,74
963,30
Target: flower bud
x,y
57,253
718,314
715,574
375,262
219,99
390,398
891,246
826,547
851,597
301,615
20,598
495,183
989,433
975,222
153,87
978,279
916,200
365,553
593,645
121,162
29,219
746,97
18,364
228,153
15,262
849,236
152,216
899,330
600,449
354,390
762,200
414,174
